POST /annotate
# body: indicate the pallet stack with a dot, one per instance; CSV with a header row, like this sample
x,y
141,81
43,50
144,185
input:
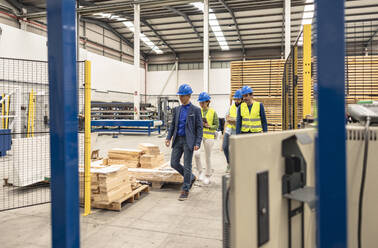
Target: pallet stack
x,y
128,157
152,157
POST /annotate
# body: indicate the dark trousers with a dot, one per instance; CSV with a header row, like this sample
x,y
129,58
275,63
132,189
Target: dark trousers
x,y
225,146
181,147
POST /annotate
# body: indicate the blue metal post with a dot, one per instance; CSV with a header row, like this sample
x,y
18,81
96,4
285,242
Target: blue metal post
x,y
61,21
331,187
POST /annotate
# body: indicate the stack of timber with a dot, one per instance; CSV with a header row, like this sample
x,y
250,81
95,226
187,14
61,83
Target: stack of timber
x,y
163,174
152,157
128,157
111,186
265,77
108,183
361,78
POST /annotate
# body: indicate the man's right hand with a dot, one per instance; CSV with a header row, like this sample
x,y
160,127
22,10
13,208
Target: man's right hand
x,y
167,143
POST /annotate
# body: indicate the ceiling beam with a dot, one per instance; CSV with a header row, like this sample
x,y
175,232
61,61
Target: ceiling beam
x,y
157,34
145,23
235,22
185,16
111,29
371,38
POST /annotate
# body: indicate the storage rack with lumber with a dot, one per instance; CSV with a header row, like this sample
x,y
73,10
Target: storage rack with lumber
x,y
265,77
361,78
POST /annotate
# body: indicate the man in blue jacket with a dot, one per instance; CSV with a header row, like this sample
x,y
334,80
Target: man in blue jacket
x,y
186,135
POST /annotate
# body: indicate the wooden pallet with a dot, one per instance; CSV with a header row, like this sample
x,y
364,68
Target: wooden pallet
x,y
117,206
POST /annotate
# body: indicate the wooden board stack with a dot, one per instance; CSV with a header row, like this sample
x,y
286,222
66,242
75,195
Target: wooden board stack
x,y
162,174
152,157
128,157
108,183
265,77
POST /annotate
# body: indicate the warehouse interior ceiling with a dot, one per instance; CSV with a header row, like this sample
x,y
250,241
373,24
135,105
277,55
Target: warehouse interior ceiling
x,y
172,27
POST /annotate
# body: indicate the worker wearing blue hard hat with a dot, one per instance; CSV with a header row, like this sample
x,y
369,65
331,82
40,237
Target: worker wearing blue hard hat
x,y
230,125
186,135
251,114
210,126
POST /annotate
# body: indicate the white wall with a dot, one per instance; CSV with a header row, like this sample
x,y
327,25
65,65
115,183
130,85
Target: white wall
x,y
110,74
107,74
219,83
16,43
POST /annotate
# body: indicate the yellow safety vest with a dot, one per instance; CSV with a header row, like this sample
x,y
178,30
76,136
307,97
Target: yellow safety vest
x,y
233,113
207,132
251,121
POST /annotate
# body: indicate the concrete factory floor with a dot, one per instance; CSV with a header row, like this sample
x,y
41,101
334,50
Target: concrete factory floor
x,y
158,219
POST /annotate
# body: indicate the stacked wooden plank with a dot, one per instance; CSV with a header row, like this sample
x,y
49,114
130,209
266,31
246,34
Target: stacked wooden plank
x,y
361,78
162,174
265,77
152,157
108,183
128,157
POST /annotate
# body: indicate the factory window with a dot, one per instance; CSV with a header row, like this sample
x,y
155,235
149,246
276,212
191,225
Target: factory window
x,y
220,64
188,66
160,67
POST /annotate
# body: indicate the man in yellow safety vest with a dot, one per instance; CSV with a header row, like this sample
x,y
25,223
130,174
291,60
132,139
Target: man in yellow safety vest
x,y
210,126
251,114
230,126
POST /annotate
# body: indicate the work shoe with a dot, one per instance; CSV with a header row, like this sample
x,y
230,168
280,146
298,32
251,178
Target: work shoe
x,y
206,180
201,176
193,180
184,195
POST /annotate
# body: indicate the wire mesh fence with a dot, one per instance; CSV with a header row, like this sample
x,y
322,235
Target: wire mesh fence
x,y
24,132
361,63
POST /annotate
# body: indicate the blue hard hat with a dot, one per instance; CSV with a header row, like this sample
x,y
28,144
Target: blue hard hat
x,y
204,97
184,89
238,94
246,90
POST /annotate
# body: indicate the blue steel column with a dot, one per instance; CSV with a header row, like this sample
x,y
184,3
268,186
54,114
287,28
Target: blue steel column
x,y
331,174
61,21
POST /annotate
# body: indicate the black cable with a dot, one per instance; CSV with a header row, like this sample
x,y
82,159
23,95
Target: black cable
x,y
364,169
226,205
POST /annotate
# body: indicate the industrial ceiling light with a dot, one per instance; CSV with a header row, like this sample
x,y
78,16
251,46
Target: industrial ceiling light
x,y
130,26
143,38
214,24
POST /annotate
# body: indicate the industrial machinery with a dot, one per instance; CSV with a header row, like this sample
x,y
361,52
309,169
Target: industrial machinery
x,y
271,195
165,107
120,110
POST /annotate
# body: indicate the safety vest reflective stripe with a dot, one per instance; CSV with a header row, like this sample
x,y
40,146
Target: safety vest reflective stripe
x,y
207,132
251,121
233,114
245,126
210,133
246,119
